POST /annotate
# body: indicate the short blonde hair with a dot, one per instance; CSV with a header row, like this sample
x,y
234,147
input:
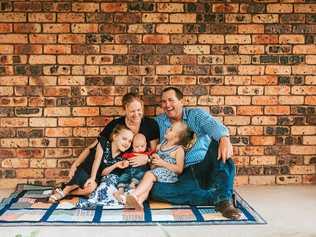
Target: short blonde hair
x,y
130,97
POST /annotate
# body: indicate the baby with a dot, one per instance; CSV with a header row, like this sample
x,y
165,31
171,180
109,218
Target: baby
x,y
132,175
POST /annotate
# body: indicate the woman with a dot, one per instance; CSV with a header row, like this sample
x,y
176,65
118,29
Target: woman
x,y
134,120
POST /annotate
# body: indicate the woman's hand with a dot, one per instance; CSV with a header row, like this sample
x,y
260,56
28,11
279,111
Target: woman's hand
x,y
72,171
122,164
225,149
157,161
138,160
90,181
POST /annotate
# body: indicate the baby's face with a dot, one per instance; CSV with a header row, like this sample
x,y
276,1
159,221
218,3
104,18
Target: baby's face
x,y
139,145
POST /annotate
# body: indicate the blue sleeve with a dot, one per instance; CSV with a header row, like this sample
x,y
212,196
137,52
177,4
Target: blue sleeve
x,y
207,124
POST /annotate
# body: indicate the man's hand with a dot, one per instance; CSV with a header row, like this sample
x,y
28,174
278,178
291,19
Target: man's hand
x,y
225,149
138,160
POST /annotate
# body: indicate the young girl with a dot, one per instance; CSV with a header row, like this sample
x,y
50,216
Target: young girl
x,y
167,163
106,159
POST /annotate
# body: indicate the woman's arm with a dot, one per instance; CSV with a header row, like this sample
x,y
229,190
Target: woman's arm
x,y
83,155
178,167
96,165
120,164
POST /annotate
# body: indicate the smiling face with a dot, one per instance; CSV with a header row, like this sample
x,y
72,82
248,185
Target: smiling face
x,y
171,105
123,139
134,111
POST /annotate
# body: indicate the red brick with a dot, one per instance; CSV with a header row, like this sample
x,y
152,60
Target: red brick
x,y
279,8
99,100
251,29
71,122
85,7
211,39
250,130
30,153
42,17
277,110
265,39
309,140
156,39
304,49
114,49
303,150
291,100
264,120
29,173
278,70
6,49
302,169
168,69
57,91
238,39
237,120
262,140
303,69
14,142
114,7
237,100
113,70
249,110
43,122
304,90
289,179
57,49
70,17
58,152
71,38
237,80
42,59
251,49
43,38
264,80
58,132
263,160
211,100
183,59
71,59
56,28
84,28
265,100
277,90
15,163
169,28
183,39
196,49
13,101
57,112
14,122
85,111
6,91
16,38
265,18
310,100
241,180
251,150
305,8
223,90
155,17
6,28
170,7
41,163
12,17
226,7
183,18
250,70
291,39
303,130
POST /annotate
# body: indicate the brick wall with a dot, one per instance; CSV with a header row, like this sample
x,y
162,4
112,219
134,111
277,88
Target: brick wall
x,y
66,64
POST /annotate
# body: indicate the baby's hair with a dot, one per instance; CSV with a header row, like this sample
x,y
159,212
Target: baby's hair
x,y
131,97
117,129
187,137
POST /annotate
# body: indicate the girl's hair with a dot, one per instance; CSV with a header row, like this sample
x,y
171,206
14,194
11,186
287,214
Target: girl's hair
x,y
130,97
187,137
117,129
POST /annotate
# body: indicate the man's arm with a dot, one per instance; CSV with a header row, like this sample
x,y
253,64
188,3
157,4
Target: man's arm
x,y
216,130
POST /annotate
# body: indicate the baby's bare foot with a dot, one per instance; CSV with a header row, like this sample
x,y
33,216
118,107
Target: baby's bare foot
x,y
120,197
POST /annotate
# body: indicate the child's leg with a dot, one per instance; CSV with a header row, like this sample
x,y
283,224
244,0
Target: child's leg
x,y
83,191
60,194
145,184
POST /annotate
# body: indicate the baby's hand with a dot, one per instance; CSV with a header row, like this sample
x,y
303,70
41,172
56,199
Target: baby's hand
x,y
156,160
122,164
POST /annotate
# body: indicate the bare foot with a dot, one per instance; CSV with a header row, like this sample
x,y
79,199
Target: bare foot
x,y
132,202
120,197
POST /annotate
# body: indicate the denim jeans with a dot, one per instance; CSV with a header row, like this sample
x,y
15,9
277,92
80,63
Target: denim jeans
x,y
206,183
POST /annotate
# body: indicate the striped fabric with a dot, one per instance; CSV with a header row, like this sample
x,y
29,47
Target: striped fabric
x,y
205,127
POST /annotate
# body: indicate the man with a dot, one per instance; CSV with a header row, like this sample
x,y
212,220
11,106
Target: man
x,y
209,174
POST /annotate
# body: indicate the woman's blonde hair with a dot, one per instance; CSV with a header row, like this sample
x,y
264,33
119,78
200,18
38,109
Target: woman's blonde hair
x,y
117,129
130,97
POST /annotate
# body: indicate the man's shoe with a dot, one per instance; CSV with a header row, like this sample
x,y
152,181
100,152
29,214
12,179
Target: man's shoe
x,y
228,210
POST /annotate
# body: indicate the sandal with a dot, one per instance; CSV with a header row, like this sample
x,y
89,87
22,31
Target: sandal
x,y
56,196
228,210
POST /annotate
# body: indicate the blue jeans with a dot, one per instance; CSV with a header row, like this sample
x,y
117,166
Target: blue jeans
x,y
131,174
206,183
